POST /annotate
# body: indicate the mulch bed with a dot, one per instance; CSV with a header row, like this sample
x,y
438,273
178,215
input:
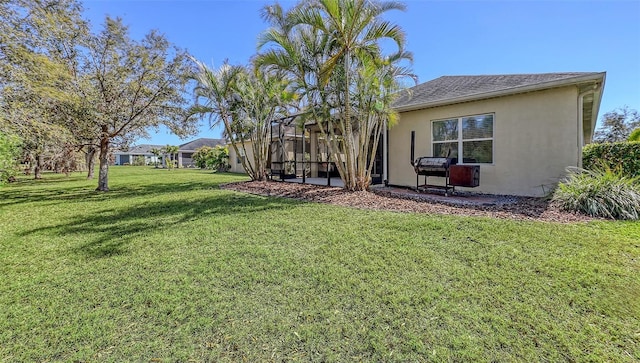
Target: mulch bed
x,y
387,199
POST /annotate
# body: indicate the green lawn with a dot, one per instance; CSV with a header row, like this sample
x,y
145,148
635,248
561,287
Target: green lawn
x,y
167,267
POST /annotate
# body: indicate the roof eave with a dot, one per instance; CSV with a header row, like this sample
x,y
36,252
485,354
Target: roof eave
x,y
505,92
596,104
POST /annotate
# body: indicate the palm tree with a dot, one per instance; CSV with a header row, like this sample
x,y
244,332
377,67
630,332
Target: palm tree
x,y
377,87
246,101
171,151
264,97
331,48
156,152
216,97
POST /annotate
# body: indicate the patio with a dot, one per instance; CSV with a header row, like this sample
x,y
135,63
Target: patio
x,y
334,182
459,198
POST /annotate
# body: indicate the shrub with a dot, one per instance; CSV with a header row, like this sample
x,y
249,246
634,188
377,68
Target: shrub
x,y
624,155
603,192
139,161
212,158
201,155
635,135
170,164
9,151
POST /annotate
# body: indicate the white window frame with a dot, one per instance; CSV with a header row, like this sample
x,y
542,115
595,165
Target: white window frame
x,y
460,140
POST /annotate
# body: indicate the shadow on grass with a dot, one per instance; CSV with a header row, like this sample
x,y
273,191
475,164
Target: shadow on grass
x,y
110,231
55,194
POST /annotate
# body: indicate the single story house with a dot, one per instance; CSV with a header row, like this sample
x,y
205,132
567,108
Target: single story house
x,y
186,150
128,157
184,155
523,130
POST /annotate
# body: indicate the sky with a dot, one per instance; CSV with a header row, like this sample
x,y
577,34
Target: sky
x,y
445,37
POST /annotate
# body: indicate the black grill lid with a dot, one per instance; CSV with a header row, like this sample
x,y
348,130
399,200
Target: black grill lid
x,y
432,162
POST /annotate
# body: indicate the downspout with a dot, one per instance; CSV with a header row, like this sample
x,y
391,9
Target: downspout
x,y
385,151
580,127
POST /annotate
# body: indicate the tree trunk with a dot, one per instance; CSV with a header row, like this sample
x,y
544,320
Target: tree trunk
x,y
351,182
37,171
90,161
103,177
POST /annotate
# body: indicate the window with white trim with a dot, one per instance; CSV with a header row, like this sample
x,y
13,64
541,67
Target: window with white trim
x,y
469,136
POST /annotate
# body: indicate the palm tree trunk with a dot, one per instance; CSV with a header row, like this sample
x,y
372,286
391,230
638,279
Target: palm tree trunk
x,y
350,183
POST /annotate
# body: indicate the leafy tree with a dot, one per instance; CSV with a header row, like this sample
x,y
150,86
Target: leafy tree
x,y
40,42
332,51
9,152
635,135
201,156
90,152
617,125
220,159
135,85
208,157
63,86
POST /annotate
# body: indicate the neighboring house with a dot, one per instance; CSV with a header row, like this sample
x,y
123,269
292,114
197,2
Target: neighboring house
x,y
522,130
127,157
185,151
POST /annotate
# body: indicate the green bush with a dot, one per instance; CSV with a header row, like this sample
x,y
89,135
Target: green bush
x,y
9,151
139,161
212,158
603,192
624,155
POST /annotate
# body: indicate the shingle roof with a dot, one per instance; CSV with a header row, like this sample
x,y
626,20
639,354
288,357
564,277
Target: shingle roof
x,y
198,143
452,89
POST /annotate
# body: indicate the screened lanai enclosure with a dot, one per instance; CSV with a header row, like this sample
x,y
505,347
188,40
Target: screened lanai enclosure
x,y
301,154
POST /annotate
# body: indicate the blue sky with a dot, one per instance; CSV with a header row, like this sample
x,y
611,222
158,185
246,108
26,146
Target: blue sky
x,y
446,38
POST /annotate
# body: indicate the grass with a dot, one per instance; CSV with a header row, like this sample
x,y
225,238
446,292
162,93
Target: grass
x,y
167,267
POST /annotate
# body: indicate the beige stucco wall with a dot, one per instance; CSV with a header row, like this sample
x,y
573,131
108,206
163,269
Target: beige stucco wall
x,y
236,167
534,140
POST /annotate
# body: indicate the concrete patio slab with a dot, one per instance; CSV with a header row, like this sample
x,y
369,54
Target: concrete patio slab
x,y
335,182
459,198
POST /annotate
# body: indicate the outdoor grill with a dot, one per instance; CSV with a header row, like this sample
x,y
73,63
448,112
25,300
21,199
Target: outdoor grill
x,y
444,167
433,166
